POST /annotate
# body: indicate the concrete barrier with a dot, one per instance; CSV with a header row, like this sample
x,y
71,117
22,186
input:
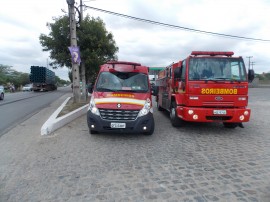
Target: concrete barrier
x,y
53,123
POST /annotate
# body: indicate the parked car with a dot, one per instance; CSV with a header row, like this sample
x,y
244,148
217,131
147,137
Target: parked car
x,y
28,87
2,92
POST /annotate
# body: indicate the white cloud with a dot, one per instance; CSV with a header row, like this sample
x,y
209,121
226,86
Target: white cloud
x,y
23,21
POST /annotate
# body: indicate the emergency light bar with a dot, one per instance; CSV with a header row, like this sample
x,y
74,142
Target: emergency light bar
x,y
113,63
212,53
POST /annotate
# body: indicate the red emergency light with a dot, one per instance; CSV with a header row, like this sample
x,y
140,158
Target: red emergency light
x,y
113,63
212,53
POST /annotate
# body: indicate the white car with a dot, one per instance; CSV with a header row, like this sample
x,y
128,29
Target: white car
x,y
2,92
28,87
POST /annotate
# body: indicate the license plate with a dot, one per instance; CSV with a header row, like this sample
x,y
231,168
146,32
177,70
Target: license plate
x,y
118,125
219,112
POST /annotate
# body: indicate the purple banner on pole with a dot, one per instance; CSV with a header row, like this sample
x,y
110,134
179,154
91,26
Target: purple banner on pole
x,y
75,54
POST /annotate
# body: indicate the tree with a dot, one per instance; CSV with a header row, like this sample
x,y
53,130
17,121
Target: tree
x,y
3,73
57,42
60,82
97,45
10,76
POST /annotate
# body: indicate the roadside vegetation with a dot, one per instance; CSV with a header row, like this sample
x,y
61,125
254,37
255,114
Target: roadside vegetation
x,y
264,78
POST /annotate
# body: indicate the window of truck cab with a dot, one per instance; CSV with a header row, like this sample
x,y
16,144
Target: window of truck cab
x,y
232,69
122,81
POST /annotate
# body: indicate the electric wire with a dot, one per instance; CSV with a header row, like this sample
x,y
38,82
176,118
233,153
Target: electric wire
x,y
178,27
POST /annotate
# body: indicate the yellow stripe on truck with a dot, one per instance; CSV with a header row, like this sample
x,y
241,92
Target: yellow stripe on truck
x,y
119,100
216,91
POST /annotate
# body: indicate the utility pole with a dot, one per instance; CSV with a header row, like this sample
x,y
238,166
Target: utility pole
x,y
84,97
252,63
73,43
249,61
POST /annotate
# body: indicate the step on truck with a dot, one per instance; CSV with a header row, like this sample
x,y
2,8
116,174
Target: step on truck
x,y
121,100
206,87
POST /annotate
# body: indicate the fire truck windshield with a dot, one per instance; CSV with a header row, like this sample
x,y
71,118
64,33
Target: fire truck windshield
x,y
122,81
217,69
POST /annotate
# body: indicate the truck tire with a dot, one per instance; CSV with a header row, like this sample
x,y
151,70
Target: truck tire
x,y
2,96
176,122
230,125
159,107
92,132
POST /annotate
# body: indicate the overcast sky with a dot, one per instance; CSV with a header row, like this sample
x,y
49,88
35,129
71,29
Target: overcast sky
x,y
22,21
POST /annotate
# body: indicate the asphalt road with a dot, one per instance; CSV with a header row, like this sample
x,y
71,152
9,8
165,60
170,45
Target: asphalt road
x,y
200,162
19,106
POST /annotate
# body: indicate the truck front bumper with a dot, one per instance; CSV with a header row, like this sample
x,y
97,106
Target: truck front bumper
x,y
142,124
233,115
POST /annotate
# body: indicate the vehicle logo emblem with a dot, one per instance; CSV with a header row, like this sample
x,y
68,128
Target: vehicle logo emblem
x,y
118,105
219,98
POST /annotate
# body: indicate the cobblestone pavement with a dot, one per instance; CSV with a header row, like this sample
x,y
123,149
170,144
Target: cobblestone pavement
x,y
199,162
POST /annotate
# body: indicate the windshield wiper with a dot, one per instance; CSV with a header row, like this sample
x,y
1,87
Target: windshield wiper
x,y
229,79
105,89
211,79
138,91
221,78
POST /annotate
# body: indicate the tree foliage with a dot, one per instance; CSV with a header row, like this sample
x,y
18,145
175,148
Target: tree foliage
x,y
97,45
57,42
263,76
10,76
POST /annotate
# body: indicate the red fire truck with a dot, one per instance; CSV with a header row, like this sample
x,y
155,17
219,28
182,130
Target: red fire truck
x,y
121,100
206,87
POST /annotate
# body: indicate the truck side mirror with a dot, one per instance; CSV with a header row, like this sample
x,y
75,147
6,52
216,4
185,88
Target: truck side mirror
x,y
177,73
251,75
90,88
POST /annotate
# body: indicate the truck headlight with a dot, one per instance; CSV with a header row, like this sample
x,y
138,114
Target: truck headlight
x,y
92,107
146,108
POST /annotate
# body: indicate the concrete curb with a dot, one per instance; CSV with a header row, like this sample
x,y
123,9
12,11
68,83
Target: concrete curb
x,y
53,123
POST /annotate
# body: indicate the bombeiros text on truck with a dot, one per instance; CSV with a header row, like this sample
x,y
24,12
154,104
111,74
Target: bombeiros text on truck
x,y
121,100
206,87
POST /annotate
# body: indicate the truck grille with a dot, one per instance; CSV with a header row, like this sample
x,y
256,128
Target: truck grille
x,y
118,115
218,104
219,118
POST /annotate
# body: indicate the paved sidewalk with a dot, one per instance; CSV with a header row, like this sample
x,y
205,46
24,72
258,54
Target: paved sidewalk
x,y
188,164
18,153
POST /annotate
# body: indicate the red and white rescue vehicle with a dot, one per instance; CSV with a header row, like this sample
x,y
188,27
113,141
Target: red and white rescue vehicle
x,y
121,100
206,87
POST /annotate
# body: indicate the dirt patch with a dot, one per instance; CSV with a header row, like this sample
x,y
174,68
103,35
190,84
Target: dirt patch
x,y
71,106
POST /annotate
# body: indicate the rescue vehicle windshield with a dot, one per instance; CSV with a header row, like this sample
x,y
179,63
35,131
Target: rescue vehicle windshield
x,y
217,69
122,81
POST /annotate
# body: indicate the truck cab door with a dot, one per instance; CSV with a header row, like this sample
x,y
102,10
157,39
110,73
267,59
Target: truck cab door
x,y
181,80
166,97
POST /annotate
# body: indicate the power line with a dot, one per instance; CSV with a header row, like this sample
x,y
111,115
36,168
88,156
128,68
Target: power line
x,y
178,27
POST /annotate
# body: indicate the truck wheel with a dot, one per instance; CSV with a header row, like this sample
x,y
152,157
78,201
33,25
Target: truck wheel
x,y
2,96
159,107
176,122
93,132
151,130
230,125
